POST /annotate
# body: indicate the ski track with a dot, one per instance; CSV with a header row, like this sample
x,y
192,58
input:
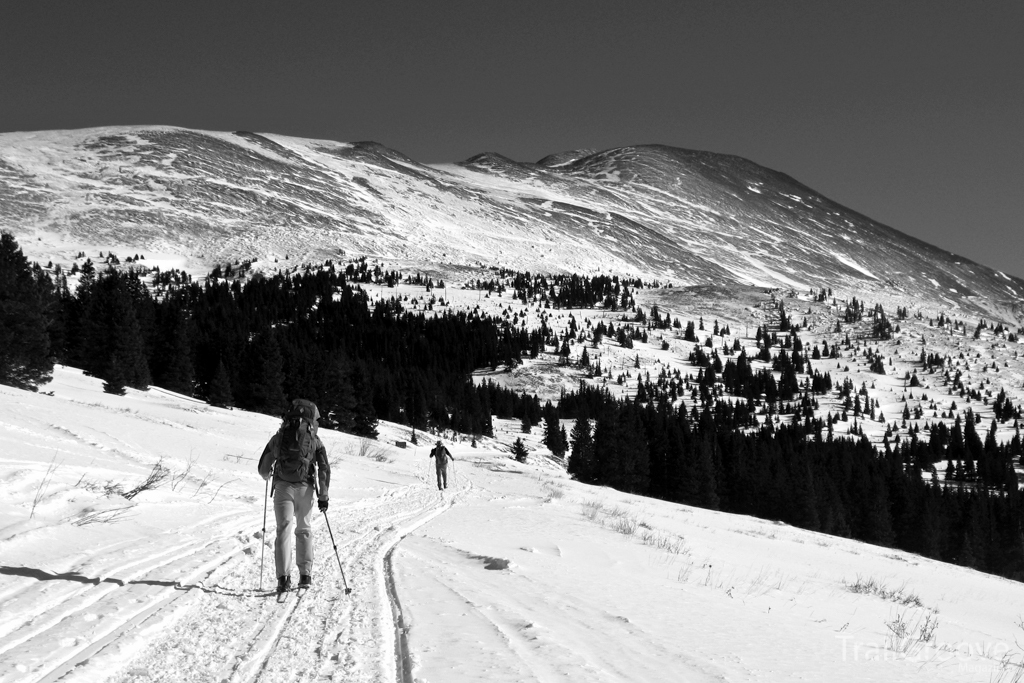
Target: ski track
x,y
60,618
184,604
211,623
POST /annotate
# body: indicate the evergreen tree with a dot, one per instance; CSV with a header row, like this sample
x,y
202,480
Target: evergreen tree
x,y
620,450
115,382
581,459
177,372
707,484
127,356
806,500
519,451
929,526
219,393
365,418
876,519
338,401
264,391
553,434
25,318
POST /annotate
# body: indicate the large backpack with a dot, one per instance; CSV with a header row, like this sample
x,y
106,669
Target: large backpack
x,y
297,443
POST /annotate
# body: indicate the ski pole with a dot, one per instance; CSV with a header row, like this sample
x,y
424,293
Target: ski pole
x,y
263,538
316,490
343,579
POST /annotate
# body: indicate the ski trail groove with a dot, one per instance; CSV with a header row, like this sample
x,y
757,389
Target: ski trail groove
x,y
55,621
59,611
402,658
229,632
158,610
118,631
254,663
362,621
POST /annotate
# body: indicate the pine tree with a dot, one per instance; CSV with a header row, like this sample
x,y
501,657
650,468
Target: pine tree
x,y
581,459
929,526
25,319
264,391
365,419
519,451
178,373
127,348
621,454
553,434
115,382
806,500
636,464
338,398
219,393
876,518
707,484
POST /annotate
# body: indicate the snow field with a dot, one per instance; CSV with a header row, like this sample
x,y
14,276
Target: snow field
x,y
516,573
166,588
517,585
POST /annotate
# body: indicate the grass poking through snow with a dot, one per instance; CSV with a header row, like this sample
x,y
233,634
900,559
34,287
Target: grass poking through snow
x,y
629,524
872,586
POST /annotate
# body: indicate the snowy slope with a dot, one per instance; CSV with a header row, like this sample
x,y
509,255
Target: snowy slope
x,y
654,211
517,574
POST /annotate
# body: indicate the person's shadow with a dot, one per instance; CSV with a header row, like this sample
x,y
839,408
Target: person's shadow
x,y
43,575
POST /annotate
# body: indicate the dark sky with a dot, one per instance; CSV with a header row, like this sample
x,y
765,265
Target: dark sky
x,y
911,112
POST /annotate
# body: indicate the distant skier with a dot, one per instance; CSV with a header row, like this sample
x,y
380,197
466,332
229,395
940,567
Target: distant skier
x,y
441,457
297,459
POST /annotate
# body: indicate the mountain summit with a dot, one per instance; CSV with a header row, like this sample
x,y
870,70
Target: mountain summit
x,y
682,216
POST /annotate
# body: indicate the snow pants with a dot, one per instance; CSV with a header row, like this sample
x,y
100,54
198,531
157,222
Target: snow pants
x,y
442,476
293,509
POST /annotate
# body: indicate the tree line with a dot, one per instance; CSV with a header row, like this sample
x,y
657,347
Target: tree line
x,y
799,474
256,344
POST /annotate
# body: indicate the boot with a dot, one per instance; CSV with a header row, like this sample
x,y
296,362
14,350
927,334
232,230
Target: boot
x,y
305,581
284,583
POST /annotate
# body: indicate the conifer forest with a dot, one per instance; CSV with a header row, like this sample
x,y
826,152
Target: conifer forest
x,y
254,343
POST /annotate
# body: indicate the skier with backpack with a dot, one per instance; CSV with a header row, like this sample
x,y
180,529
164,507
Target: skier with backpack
x,y
441,457
297,460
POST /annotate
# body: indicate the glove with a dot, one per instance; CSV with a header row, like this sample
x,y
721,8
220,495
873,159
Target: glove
x,y
322,504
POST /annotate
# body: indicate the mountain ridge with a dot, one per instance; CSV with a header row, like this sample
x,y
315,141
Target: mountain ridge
x,y
681,216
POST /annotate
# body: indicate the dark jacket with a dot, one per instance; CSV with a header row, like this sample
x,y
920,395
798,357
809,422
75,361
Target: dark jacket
x,y
442,456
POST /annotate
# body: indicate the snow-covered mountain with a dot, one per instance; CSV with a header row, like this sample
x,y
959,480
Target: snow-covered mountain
x,y
659,212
